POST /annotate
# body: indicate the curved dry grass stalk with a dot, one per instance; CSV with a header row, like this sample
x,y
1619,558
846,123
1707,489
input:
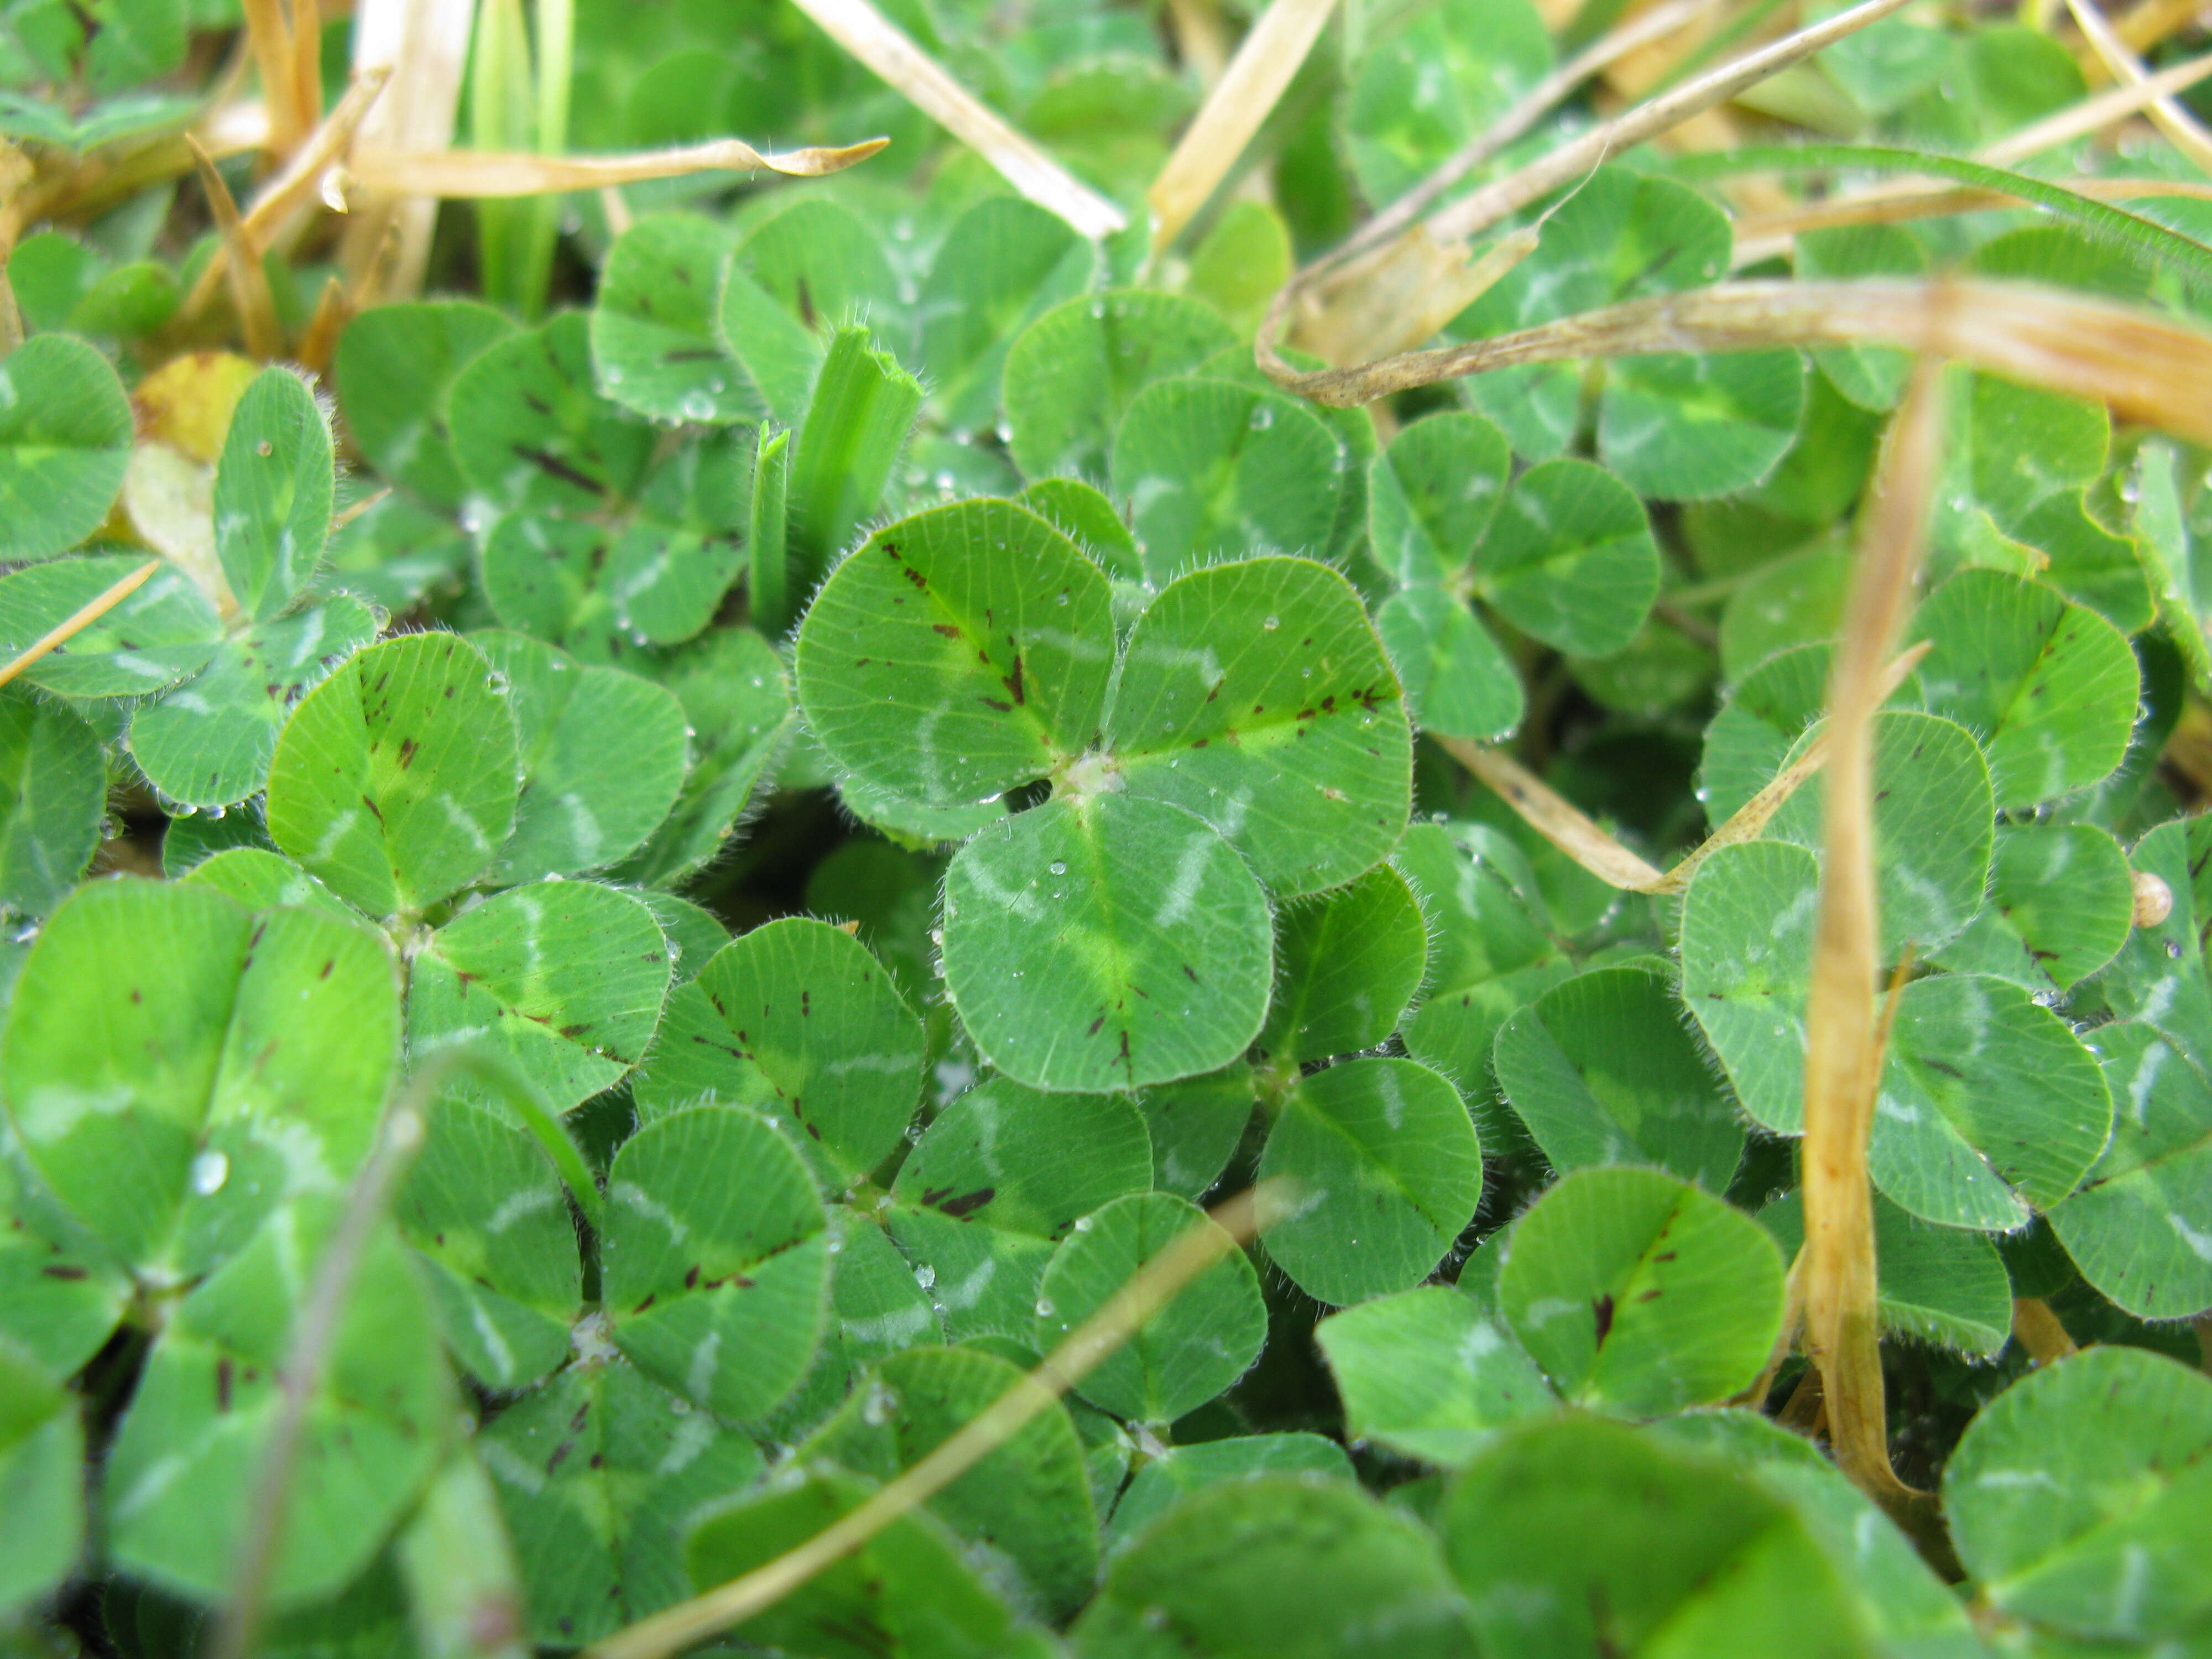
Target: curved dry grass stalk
x,y
387,247
1236,1220
1843,1044
1265,60
1643,30
1476,212
481,173
249,282
2166,112
2146,367
1562,824
1020,160
78,620
1411,270
295,190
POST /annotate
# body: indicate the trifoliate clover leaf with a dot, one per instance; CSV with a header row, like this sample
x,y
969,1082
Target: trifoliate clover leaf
x,y
2049,686
1212,469
1002,265
737,704
261,879
394,782
2060,905
1430,1373
1257,696
211,741
1195,1126
603,754
1676,427
1435,83
1029,1500
42,1475
656,344
485,1209
62,1294
1165,1481
1933,820
529,431
563,980
981,625
2140,1226
822,263
1602,1071
65,434
1639,1294
1383,1169
1619,1542
1569,558
1490,951
598,1473
1938,1285
1072,374
996,1182
798,1020
715,1266
1432,496
912,1587
1277,1566
184,1474
273,489
2158,975
395,366
1144,941
1350,961
164,632
175,1065
1197,1345
53,793
2076,1499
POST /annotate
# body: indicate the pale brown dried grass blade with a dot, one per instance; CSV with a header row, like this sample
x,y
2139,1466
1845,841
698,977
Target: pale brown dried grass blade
x,y
1560,822
2145,367
249,282
269,36
293,190
2166,112
486,173
2094,113
1479,210
1638,32
1842,1048
78,620
1265,60
387,242
886,49
1233,1222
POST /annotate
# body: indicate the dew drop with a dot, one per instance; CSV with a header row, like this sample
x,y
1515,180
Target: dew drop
x,y
210,1172
925,1275
1271,624
1058,868
1044,1309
